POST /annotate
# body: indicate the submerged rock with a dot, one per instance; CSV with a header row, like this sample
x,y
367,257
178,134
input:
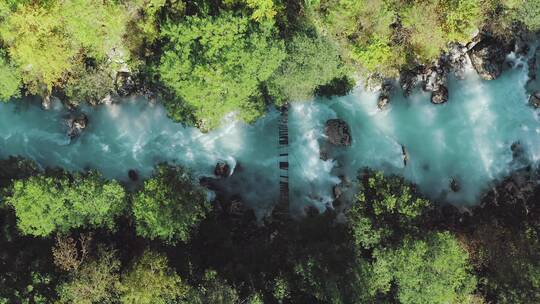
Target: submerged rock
x,y
408,79
338,133
337,191
488,57
440,95
46,102
133,175
454,185
382,102
107,100
518,153
222,169
124,83
534,100
457,59
384,96
77,124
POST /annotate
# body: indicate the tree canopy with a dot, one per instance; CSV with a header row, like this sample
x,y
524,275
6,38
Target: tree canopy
x,y
434,270
169,206
44,204
217,65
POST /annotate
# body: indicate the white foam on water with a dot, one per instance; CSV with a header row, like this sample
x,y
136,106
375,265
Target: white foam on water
x,y
467,139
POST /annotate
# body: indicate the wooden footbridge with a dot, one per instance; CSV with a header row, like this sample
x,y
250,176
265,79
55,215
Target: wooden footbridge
x,y
283,128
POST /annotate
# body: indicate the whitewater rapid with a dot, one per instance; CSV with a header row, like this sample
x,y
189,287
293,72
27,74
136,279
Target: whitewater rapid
x,y
467,139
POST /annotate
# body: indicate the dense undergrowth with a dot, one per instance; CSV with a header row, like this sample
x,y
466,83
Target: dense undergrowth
x,y
77,238
209,58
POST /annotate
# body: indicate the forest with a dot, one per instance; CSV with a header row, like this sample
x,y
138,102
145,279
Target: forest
x,y
77,237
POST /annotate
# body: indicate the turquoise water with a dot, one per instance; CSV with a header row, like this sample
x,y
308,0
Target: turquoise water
x,y
467,139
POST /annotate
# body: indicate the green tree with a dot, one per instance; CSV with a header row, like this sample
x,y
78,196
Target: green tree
x,y
528,12
151,281
312,62
11,79
38,45
364,30
89,84
435,23
44,204
46,40
96,281
434,270
169,206
508,258
213,290
217,64
387,208
97,26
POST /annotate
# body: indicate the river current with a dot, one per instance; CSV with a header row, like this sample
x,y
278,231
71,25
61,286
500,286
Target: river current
x,y
467,139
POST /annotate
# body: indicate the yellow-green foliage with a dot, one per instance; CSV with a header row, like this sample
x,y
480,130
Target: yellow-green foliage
x,y
97,30
45,40
383,36
10,80
434,23
431,271
44,204
152,281
169,206
261,10
311,62
97,281
38,45
384,205
217,64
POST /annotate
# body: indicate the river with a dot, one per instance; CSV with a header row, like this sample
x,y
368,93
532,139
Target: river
x,y
467,139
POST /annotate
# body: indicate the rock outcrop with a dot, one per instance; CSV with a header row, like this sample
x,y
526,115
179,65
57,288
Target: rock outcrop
x,y
534,100
76,124
384,96
454,185
222,169
488,57
440,95
338,132
124,83
133,175
409,79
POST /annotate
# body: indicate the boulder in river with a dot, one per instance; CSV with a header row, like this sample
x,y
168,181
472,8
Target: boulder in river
x,y
488,57
338,132
337,191
77,124
222,169
46,102
440,95
457,59
454,185
124,83
534,100
133,175
408,79
382,101
518,152
384,96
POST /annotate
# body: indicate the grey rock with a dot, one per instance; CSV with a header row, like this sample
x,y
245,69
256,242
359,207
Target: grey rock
x,y
488,57
76,124
440,95
222,169
338,132
384,96
534,100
